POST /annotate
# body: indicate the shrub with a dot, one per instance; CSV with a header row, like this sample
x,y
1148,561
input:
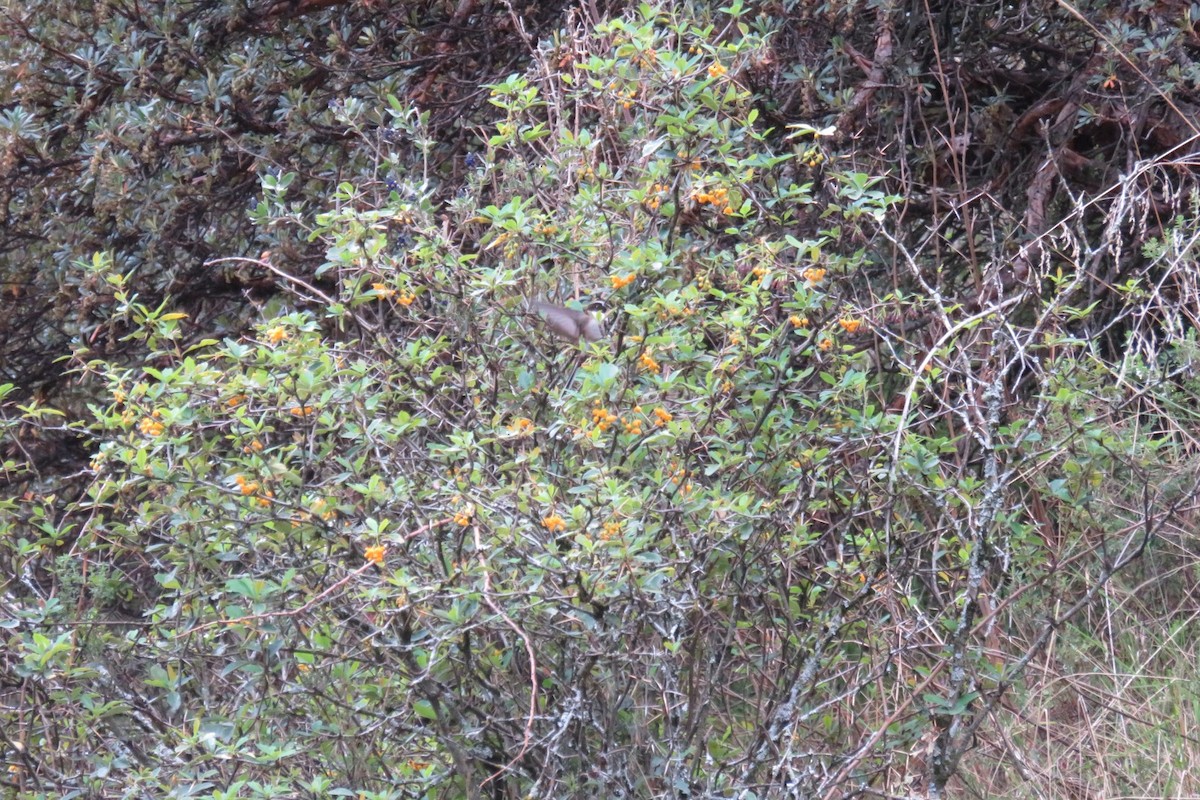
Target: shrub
x,y
772,537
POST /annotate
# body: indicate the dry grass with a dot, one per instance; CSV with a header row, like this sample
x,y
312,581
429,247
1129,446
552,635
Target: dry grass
x,y
1111,707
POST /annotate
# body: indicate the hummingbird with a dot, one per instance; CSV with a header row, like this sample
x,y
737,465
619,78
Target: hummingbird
x,y
567,323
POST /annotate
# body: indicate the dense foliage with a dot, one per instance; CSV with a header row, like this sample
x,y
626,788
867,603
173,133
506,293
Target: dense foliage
x,y
897,394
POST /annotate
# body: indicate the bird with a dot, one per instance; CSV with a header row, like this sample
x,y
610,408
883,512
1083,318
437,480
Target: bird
x,y
567,323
